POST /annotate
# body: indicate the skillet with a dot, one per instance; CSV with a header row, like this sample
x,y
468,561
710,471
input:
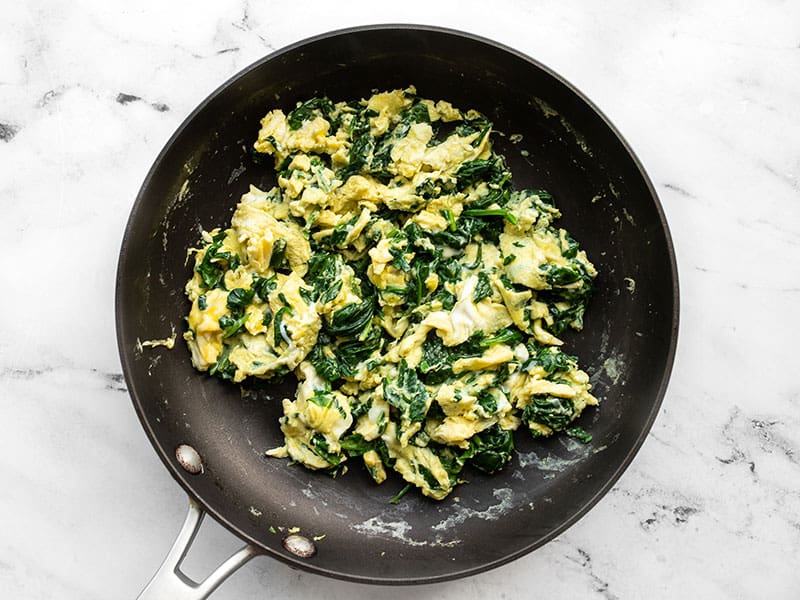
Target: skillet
x,y
346,528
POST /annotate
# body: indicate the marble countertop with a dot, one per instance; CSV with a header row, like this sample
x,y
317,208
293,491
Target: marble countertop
x,y
706,92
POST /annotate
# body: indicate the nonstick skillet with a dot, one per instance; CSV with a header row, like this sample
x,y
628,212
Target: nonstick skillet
x,y
212,435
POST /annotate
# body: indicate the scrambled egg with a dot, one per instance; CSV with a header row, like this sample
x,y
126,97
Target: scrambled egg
x,y
416,295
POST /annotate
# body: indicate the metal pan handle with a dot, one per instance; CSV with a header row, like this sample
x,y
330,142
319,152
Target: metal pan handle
x,y
170,583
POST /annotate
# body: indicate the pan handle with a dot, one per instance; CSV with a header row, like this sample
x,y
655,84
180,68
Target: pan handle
x,y
171,583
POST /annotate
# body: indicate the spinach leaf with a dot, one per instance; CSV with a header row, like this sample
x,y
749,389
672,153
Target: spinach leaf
x,y
355,445
352,352
510,335
436,363
202,302
362,144
324,269
466,228
432,482
309,110
548,410
262,286
417,290
491,449
569,247
487,402
396,498
491,170
223,367
351,320
280,331
549,358
320,447
277,260
448,270
571,316
433,187
322,398
561,275
477,125
325,363
215,262
407,394
579,433
238,300
490,212
231,325
483,289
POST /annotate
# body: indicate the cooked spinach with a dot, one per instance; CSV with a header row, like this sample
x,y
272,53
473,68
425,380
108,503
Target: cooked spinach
x,y
223,368
355,445
491,170
277,260
436,363
491,212
407,394
548,410
320,447
483,289
350,320
491,449
308,110
238,300
280,331
579,433
216,262
262,286
487,401
549,358
231,325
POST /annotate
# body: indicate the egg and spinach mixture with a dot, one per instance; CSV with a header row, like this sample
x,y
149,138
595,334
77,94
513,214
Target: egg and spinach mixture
x,y
416,295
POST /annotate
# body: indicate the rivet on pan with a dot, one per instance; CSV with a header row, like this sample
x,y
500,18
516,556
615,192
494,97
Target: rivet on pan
x,y
299,545
189,459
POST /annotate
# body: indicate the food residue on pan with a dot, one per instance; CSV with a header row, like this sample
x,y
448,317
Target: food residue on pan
x,y
414,292
167,342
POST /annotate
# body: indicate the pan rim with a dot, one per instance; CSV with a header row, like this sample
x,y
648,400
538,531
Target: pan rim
x,y
165,454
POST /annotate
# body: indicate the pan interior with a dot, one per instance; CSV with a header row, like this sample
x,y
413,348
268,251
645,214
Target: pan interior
x,y
627,345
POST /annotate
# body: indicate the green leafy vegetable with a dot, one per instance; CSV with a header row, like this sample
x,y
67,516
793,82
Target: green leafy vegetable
x,y
223,367
483,289
351,320
549,358
309,110
491,449
262,286
322,398
277,260
216,262
407,394
355,445
231,325
552,411
320,447
579,433
487,402
491,169
239,299
491,212
280,332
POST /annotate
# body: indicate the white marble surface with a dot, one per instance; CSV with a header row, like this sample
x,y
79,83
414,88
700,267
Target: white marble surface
x,y
706,92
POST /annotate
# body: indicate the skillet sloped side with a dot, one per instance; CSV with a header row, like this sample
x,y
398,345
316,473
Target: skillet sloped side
x,y
609,205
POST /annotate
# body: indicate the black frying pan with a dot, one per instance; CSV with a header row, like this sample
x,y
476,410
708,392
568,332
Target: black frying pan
x,y
568,147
